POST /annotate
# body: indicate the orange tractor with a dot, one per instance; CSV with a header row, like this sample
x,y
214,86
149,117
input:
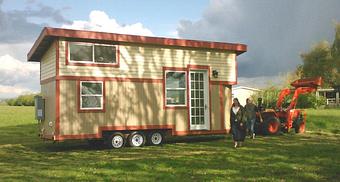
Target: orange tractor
x,y
272,121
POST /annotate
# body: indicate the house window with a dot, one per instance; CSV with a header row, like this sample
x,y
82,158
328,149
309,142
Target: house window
x,y
80,52
91,95
175,88
92,53
104,54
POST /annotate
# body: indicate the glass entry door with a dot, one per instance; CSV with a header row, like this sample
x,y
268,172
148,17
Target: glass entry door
x,y
199,100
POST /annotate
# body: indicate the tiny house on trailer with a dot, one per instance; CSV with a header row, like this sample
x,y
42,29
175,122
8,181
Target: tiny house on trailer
x,y
132,89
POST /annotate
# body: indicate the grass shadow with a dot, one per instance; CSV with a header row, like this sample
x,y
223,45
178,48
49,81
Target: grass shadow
x,y
305,157
26,135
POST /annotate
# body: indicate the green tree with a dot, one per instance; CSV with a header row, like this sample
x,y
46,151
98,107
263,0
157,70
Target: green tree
x,y
10,102
323,60
318,62
336,44
22,100
335,52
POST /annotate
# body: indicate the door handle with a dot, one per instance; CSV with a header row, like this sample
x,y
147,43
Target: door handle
x,y
205,106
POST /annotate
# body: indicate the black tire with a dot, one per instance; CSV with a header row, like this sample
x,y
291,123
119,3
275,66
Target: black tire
x,y
116,140
155,138
299,124
300,128
136,139
271,126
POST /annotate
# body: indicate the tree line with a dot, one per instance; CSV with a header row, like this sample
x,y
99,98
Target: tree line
x,y
22,100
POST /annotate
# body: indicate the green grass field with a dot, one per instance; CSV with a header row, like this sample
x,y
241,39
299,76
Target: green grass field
x,y
313,156
327,120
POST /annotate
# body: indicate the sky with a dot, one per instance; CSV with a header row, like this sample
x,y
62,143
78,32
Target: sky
x,y
276,31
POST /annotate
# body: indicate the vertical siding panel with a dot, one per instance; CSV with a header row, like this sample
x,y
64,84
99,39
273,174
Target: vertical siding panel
x,y
48,93
62,56
215,108
227,103
48,63
68,109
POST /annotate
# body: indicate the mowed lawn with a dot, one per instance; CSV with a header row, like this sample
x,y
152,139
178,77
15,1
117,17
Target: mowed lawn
x,y
313,156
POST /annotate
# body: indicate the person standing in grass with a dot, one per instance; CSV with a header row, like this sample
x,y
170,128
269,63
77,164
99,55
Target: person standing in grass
x,y
250,110
237,119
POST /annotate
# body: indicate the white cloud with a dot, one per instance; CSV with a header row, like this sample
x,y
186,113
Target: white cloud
x,y
17,77
14,69
100,21
17,36
173,34
17,50
17,25
13,91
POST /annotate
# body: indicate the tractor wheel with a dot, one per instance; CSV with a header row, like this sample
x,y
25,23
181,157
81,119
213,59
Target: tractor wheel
x,y
271,126
300,128
299,124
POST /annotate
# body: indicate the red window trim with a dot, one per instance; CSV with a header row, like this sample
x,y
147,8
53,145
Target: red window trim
x,y
68,62
164,89
80,110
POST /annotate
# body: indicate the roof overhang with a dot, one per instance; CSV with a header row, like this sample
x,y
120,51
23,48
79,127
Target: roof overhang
x,y
48,35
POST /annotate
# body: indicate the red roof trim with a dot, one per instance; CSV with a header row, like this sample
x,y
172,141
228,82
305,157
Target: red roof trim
x,y
91,35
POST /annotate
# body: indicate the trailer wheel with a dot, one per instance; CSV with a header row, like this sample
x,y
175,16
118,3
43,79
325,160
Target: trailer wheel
x,y
155,138
116,140
136,139
271,126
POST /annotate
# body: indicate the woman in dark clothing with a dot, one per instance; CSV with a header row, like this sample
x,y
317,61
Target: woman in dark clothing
x,y
237,123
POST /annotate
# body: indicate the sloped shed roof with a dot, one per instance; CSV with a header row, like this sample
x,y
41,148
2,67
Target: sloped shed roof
x,y
48,34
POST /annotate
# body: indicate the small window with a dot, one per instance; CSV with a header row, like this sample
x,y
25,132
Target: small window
x,y
91,95
175,88
105,54
93,53
80,52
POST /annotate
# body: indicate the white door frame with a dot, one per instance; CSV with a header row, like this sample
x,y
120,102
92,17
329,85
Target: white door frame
x,y
198,124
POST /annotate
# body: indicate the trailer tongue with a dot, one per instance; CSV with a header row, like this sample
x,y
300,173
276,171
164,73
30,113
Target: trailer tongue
x,y
270,121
